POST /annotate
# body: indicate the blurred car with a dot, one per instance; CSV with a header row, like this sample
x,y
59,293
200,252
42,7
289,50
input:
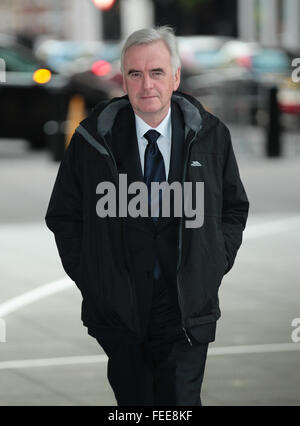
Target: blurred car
x,y
198,53
100,72
236,53
270,65
269,61
289,97
68,57
31,94
34,95
93,67
237,87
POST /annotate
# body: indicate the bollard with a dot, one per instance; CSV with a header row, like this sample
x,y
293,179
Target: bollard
x,y
273,143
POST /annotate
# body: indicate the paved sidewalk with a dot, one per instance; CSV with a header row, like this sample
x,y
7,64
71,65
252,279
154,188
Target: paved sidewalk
x,y
253,360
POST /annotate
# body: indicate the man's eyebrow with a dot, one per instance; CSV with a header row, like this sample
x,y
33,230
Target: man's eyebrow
x,y
157,69
131,71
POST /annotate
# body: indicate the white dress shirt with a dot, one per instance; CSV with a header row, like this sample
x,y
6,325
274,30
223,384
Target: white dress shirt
x,y
164,141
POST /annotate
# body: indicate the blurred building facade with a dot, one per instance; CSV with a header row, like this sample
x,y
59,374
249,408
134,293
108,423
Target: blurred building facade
x,y
202,17
65,19
271,22
74,19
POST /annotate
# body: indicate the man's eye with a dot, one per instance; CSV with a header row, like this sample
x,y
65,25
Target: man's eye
x,y
157,74
135,74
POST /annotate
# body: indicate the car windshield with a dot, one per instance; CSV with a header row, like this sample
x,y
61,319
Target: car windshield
x,y
17,61
206,57
270,61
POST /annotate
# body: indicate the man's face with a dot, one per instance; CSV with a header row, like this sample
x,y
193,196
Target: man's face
x,y
149,80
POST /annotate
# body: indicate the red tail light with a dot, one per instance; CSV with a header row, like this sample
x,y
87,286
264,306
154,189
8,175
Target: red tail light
x,y
244,61
101,68
104,4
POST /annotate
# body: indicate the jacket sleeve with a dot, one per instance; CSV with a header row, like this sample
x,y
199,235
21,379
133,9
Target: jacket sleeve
x,y
235,204
64,213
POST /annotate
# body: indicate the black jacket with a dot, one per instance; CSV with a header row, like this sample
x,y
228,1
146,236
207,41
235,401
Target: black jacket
x,y
94,251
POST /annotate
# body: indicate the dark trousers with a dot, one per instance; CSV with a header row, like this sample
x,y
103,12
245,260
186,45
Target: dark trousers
x,y
162,370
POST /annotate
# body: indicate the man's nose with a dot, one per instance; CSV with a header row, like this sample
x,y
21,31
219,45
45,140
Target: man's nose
x,y
147,82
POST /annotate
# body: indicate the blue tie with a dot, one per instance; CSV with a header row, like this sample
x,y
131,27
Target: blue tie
x,y
154,171
154,168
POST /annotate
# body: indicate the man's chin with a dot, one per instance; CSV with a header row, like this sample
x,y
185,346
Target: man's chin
x,y
149,103
149,110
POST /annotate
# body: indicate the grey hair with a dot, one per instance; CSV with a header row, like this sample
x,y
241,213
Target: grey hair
x,y
164,33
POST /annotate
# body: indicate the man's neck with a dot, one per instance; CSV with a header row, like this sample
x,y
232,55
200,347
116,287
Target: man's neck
x,y
151,119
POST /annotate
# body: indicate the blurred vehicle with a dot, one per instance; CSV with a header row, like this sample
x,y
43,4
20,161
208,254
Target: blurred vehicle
x,y
198,53
236,53
231,94
289,104
270,61
30,95
269,65
35,98
289,97
237,87
68,57
101,71
92,66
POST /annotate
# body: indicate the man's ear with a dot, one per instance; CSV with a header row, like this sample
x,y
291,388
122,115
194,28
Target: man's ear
x,y
177,79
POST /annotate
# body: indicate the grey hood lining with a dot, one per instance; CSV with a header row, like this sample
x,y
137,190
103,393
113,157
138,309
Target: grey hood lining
x,y
192,116
107,117
91,140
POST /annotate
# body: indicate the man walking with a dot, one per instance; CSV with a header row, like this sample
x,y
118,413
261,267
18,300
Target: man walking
x,y
149,284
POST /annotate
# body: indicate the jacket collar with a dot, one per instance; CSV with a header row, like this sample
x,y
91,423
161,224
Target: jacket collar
x,y
191,113
196,118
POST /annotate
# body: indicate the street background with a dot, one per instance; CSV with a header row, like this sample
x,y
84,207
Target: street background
x,y
46,356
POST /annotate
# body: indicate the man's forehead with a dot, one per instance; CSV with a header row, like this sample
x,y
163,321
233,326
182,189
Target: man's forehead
x,y
154,47
155,53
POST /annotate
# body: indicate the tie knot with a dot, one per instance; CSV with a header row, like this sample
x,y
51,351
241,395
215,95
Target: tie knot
x,y
152,136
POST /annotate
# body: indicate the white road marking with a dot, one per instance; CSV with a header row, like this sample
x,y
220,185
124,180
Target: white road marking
x,y
254,349
41,292
34,295
90,359
48,362
252,231
271,227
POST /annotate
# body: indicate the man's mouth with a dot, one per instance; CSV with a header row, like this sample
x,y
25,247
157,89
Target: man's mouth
x,y
148,97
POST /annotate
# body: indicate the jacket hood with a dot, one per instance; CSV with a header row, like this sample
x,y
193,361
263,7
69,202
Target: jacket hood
x,y
102,118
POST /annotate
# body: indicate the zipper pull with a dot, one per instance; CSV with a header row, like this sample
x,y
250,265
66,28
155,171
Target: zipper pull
x,y
189,340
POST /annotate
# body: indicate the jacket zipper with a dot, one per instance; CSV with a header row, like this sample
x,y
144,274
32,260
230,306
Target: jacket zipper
x,y
180,298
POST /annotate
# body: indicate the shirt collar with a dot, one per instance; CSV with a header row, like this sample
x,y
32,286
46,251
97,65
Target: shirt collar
x,y
164,128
